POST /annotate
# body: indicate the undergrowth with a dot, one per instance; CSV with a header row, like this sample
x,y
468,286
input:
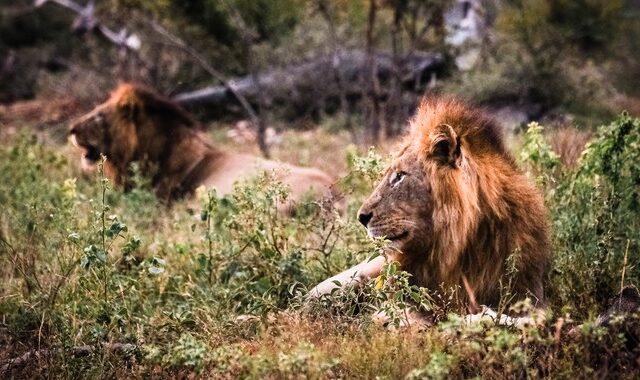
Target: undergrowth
x,y
100,283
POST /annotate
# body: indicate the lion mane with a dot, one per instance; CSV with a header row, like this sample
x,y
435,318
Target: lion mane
x,y
137,125
485,209
454,207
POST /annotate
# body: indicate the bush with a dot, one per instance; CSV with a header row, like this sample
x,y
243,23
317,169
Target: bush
x,y
595,215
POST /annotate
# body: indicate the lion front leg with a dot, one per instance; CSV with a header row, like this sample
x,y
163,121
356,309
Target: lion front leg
x,y
407,319
352,277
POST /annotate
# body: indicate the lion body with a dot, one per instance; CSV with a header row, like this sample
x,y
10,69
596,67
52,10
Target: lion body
x,y
137,125
455,207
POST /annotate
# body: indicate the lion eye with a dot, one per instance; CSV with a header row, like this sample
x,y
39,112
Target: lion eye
x,y
396,178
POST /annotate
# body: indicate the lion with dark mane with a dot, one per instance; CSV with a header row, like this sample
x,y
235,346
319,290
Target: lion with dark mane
x,y
454,207
137,125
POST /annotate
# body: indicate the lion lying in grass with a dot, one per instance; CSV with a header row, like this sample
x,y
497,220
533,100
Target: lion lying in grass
x,y
454,207
137,125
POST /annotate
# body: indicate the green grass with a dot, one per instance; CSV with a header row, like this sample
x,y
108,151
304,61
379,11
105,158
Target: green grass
x,y
215,287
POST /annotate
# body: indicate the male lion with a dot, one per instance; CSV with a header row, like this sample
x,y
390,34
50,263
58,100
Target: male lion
x,y
454,206
137,125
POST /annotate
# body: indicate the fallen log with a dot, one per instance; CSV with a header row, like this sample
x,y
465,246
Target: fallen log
x,y
310,86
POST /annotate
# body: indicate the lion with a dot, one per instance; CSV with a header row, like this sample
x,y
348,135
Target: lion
x,y
453,207
138,125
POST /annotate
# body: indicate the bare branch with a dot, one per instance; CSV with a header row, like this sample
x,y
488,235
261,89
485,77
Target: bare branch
x,y
86,21
177,42
249,36
325,12
372,86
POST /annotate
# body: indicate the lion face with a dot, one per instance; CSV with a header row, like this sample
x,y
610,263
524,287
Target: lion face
x,y
90,133
401,207
110,130
427,200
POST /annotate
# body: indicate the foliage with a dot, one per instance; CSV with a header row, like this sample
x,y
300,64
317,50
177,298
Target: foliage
x,y
270,20
218,286
222,291
587,24
554,55
595,214
558,27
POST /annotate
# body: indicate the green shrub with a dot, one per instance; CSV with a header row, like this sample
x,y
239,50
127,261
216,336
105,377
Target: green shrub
x,y
595,215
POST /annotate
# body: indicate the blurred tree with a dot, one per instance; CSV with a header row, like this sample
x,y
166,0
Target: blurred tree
x,y
214,19
414,24
589,25
224,34
26,37
544,50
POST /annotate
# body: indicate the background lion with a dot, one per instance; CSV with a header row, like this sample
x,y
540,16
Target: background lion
x,y
137,125
454,207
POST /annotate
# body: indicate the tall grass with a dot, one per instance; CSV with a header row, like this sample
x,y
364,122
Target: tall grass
x,y
215,286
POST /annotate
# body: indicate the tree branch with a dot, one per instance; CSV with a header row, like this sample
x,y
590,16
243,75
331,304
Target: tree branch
x,y
86,21
178,43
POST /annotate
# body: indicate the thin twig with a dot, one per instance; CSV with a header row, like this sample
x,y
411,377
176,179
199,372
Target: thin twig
x,y
324,243
624,266
249,36
20,361
177,42
54,293
323,8
122,39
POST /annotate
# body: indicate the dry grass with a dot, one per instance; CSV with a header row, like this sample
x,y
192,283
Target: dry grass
x,y
568,143
314,147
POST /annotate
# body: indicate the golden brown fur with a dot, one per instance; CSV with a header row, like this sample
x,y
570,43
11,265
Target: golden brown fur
x,y
137,125
455,206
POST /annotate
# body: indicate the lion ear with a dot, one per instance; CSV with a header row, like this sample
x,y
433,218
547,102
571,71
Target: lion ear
x,y
445,145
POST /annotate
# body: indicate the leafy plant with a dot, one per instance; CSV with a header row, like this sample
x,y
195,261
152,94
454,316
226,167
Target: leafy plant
x,y
222,290
595,213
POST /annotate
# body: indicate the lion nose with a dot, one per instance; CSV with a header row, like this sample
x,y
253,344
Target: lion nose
x,y
365,218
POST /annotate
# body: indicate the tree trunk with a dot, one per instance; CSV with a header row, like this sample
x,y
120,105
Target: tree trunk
x,y
394,112
373,99
336,65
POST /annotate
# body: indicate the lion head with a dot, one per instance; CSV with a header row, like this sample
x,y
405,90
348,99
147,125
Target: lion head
x,y
134,124
454,207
